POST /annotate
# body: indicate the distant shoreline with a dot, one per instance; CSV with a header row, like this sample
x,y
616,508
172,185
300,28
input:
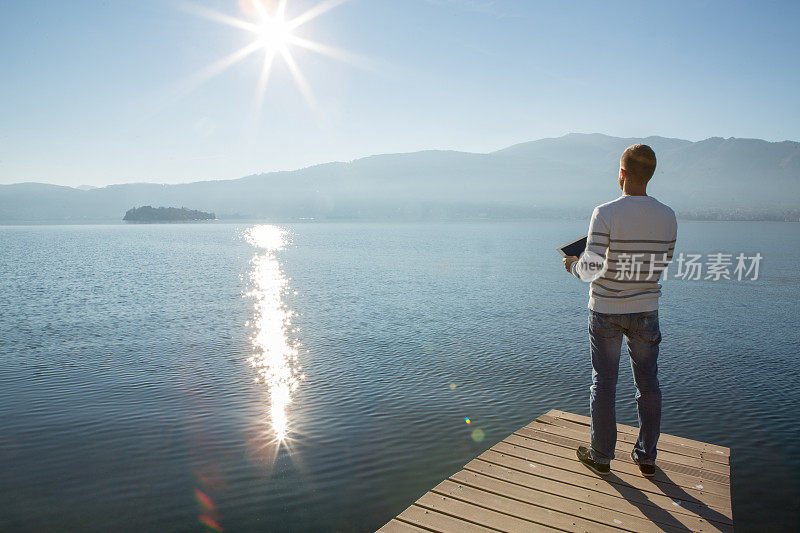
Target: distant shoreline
x,y
562,177
165,215
355,220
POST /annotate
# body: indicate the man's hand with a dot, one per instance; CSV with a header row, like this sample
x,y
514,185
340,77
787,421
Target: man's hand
x,y
568,263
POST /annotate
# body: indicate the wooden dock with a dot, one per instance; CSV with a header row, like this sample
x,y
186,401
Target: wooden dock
x,y
532,481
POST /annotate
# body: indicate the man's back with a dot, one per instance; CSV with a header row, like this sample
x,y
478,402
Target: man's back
x,y
630,242
636,235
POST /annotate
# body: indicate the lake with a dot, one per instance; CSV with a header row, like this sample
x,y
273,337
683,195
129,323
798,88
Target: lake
x,y
317,376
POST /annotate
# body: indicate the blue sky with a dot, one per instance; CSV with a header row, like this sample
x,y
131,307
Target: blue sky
x,y
96,92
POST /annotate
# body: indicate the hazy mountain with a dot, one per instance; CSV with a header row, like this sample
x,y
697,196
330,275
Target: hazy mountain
x,y
568,174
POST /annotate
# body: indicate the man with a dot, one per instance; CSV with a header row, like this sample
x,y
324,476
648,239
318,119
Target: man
x,y
634,238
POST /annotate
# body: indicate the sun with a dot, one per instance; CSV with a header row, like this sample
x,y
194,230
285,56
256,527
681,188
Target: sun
x,y
273,36
274,32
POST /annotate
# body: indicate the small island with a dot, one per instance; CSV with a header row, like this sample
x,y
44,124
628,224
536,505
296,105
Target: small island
x,y
149,214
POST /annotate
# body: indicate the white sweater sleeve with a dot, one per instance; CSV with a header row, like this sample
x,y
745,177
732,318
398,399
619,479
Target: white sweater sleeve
x,y
597,243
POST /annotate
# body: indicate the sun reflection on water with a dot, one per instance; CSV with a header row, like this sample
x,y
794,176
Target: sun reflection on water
x,y
274,353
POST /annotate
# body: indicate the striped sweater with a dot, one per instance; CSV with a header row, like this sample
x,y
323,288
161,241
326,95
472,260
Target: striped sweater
x,y
635,237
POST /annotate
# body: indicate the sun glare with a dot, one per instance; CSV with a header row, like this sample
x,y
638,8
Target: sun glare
x,y
274,33
275,355
274,37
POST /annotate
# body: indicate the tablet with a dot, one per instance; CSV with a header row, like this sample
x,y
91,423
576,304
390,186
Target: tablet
x,y
574,248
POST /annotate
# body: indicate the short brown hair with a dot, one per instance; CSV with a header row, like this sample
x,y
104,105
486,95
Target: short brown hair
x,y
639,162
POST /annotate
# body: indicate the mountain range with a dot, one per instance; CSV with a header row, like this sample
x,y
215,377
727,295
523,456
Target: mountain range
x,y
712,178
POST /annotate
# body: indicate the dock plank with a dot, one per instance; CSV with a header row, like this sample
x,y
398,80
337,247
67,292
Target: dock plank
x,y
432,520
627,438
396,526
707,461
561,506
627,467
667,461
684,515
479,514
536,514
704,446
532,481
601,485
636,481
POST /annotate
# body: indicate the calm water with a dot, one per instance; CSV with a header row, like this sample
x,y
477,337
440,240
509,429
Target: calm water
x,y
147,370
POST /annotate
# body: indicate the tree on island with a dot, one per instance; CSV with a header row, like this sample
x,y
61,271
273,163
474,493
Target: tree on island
x,y
148,213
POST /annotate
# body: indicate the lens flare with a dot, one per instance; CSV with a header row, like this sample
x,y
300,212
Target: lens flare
x,y
274,37
208,515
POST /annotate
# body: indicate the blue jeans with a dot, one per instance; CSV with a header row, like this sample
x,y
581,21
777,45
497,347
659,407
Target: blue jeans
x,y
643,336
